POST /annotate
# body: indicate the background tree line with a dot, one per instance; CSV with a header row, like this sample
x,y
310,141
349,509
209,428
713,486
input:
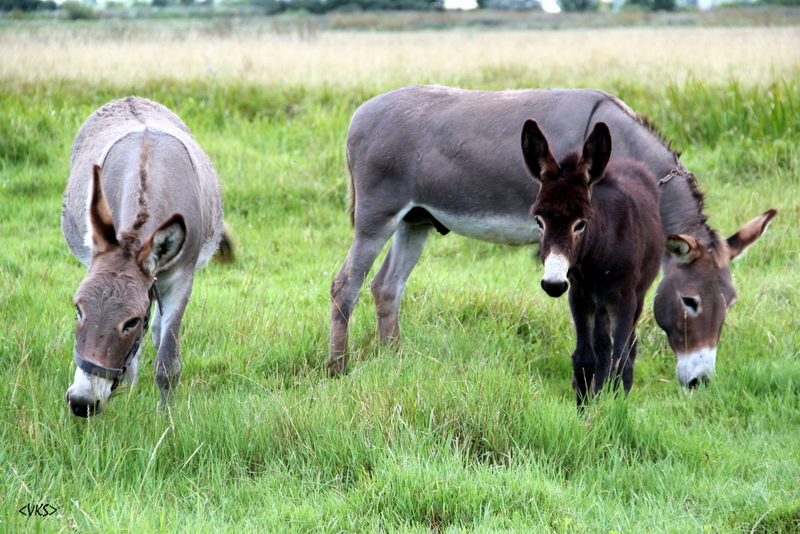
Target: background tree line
x,y
274,7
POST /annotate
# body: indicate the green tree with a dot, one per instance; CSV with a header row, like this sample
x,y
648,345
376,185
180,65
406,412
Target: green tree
x,y
578,5
25,5
511,5
653,5
77,10
324,6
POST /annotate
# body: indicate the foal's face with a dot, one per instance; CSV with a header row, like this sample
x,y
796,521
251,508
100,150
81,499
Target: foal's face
x,y
562,213
563,207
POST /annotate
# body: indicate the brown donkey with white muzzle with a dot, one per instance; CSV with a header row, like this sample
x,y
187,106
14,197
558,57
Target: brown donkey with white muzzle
x,y
143,211
600,236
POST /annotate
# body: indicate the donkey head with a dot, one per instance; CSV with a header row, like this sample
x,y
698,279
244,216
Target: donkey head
x,y
113,301
563,208
695,294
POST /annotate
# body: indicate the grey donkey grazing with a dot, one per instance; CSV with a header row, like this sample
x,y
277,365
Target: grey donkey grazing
x,y
143,211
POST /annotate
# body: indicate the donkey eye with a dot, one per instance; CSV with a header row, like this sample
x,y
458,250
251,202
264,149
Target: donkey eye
x,y
130,324
78,313
580,226
539,222
692,304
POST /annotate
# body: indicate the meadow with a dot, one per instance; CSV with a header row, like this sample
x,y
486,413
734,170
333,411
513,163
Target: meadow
x,y
470,424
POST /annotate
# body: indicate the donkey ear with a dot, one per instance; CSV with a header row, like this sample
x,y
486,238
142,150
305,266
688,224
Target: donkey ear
x,y
103,234
683,248
597,151
536,152
163,246
751,231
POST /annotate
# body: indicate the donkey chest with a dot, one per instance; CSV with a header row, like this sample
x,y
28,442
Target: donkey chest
x,y
603,280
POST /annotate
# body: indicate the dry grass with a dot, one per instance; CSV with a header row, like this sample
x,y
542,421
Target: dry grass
x,y
117,56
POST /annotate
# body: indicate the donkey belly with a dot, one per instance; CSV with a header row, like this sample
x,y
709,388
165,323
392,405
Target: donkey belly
x,y
505,229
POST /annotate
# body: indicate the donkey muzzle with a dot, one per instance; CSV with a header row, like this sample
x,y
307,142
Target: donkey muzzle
x,y
83,407
554,281
94,383
555,289
87,393
697,367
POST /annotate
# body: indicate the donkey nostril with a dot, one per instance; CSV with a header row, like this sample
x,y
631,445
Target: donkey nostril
x,y
554,289
697,381
82,409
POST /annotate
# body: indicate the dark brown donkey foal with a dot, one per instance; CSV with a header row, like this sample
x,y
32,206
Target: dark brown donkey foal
x,y
600,235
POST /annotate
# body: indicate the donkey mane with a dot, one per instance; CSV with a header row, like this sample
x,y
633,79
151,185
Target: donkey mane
x,y
697,194
716,244
132,103
144,176
648,123
643,120
129,239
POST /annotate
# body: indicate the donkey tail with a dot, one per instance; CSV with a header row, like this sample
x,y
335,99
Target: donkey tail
x,y
226,253
351,192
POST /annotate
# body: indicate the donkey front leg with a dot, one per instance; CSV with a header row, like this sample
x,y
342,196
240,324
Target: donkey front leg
x,y
390,282
602,347
584,359
624,353
175,291
633,342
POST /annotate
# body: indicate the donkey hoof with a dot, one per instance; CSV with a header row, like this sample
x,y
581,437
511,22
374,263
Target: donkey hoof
x,y
337,366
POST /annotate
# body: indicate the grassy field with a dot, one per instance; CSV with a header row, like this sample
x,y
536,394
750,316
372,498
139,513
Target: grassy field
x,y
470,425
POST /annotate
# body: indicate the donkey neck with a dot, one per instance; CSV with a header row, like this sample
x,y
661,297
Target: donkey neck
x,y
681,207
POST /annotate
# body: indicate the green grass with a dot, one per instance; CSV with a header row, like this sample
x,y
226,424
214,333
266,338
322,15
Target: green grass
x,y
470,425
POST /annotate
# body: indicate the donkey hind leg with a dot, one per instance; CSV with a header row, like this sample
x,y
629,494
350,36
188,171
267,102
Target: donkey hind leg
x,y
344,292
624,353
602,347
584,360
390,282
175,295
